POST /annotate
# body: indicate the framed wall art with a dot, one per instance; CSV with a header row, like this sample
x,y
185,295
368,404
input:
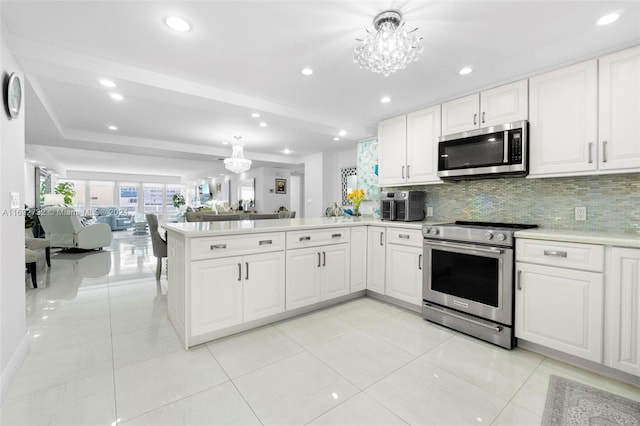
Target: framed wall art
x,y
281,186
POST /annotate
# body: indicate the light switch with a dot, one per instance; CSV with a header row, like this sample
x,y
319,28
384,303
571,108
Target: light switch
x,y
15,200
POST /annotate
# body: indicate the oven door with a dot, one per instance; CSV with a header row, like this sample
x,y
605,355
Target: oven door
x,y
469,278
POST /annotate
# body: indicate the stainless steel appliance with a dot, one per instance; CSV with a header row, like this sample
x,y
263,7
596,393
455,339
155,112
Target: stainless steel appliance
x,y
402,205
490,152
468,280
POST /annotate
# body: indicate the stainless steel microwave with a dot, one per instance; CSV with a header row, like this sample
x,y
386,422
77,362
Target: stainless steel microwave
x,y
490,152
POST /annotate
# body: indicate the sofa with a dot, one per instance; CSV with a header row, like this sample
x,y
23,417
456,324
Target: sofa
x,y
113,217
64,229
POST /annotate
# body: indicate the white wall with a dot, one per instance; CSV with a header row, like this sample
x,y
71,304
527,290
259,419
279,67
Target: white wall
x,y
13,339
296,195
30,185
313,183
332,176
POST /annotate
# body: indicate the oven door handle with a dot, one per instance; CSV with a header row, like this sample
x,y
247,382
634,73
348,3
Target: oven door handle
x,y
469,248
496,328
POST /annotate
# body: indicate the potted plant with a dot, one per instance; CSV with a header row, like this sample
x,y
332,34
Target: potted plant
x,y
66,189
178,200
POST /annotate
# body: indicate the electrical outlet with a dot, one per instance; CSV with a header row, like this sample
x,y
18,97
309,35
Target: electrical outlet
x,y
429,211
15,200
580,213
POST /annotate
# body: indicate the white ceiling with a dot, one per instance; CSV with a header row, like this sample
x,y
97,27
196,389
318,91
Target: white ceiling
x,y
186,94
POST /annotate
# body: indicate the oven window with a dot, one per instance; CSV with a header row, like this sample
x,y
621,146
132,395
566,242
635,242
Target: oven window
x,y
477,151
464,275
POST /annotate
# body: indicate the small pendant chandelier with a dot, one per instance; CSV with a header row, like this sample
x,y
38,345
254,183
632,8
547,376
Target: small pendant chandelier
x,y
237,163
390,48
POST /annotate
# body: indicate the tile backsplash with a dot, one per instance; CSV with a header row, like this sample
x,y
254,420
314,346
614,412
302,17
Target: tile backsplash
x,y
612,201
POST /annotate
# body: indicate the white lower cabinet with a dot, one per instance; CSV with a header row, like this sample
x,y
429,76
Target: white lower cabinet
x,y
376,255
622,310
315,274
358,258
404,273
232,290
561,309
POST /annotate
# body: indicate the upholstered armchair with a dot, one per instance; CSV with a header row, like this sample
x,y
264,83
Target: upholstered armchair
x,y
64,229
112,217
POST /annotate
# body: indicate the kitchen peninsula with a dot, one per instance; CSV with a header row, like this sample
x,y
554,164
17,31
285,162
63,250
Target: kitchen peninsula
x,y
227,277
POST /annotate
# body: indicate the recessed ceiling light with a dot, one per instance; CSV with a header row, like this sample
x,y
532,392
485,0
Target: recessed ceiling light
x,y
255,115
116,96
106,82
385,99
342,133
225,143
287,151
465,71
607,19
336,138
263,124
306,71
112,127
177,24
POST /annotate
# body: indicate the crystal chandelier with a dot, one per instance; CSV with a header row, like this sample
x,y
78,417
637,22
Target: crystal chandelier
x,y
390,48
237,163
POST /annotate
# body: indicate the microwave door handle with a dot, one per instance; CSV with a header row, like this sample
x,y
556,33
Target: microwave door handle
x,y
505,141
392,210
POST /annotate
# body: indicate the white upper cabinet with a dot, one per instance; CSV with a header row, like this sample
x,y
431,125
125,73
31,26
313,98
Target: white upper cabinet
x,y
407,148
619,111
563,120
501,105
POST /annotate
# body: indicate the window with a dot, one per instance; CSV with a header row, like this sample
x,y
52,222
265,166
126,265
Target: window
x,y
152,197
101,194
171,190
78,202
129,197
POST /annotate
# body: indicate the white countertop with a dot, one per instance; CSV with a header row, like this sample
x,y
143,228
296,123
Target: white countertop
x,y
588,237
202,229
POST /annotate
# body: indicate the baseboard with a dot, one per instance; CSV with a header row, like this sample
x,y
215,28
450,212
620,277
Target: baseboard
x,y
579,362
8,374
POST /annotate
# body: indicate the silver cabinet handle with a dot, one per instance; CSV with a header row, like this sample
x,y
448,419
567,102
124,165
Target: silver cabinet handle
x,y
419,261
265,242
408,171
307,238
246,264
590,152
381,237
475,119
217,246
239,271
482,116
402,172
404,236
324,258
555,253
519,279
318,259
604,151
336,235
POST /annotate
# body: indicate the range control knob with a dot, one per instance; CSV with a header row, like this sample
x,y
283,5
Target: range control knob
x,y
433,231
488,235
501,237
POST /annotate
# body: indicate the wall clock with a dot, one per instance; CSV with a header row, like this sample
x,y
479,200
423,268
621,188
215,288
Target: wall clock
x,y
14,95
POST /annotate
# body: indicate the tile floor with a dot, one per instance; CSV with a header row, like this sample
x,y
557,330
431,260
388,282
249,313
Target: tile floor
x,y
103,352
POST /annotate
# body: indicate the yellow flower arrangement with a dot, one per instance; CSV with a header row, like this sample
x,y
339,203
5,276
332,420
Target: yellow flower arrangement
x,y
356,196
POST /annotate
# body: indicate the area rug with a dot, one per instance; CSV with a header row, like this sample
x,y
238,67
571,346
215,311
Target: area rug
x,y
573,403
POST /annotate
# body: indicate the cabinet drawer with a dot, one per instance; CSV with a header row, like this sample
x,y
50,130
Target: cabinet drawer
x,y
234,245
406,237
317,237
587,257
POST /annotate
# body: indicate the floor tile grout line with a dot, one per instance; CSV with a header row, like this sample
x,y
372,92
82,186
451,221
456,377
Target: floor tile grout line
x,y
113,359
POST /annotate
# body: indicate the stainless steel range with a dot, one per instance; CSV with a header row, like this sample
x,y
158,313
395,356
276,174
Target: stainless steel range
x,y
469,278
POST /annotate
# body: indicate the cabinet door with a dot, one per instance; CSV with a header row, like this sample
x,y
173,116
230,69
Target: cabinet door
x,y
392,150
504,104
358,250
423,130
404,273
561,309
302,279
563,120
623,310
335,271
619,127
376,258
216,294
263,286
461,114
